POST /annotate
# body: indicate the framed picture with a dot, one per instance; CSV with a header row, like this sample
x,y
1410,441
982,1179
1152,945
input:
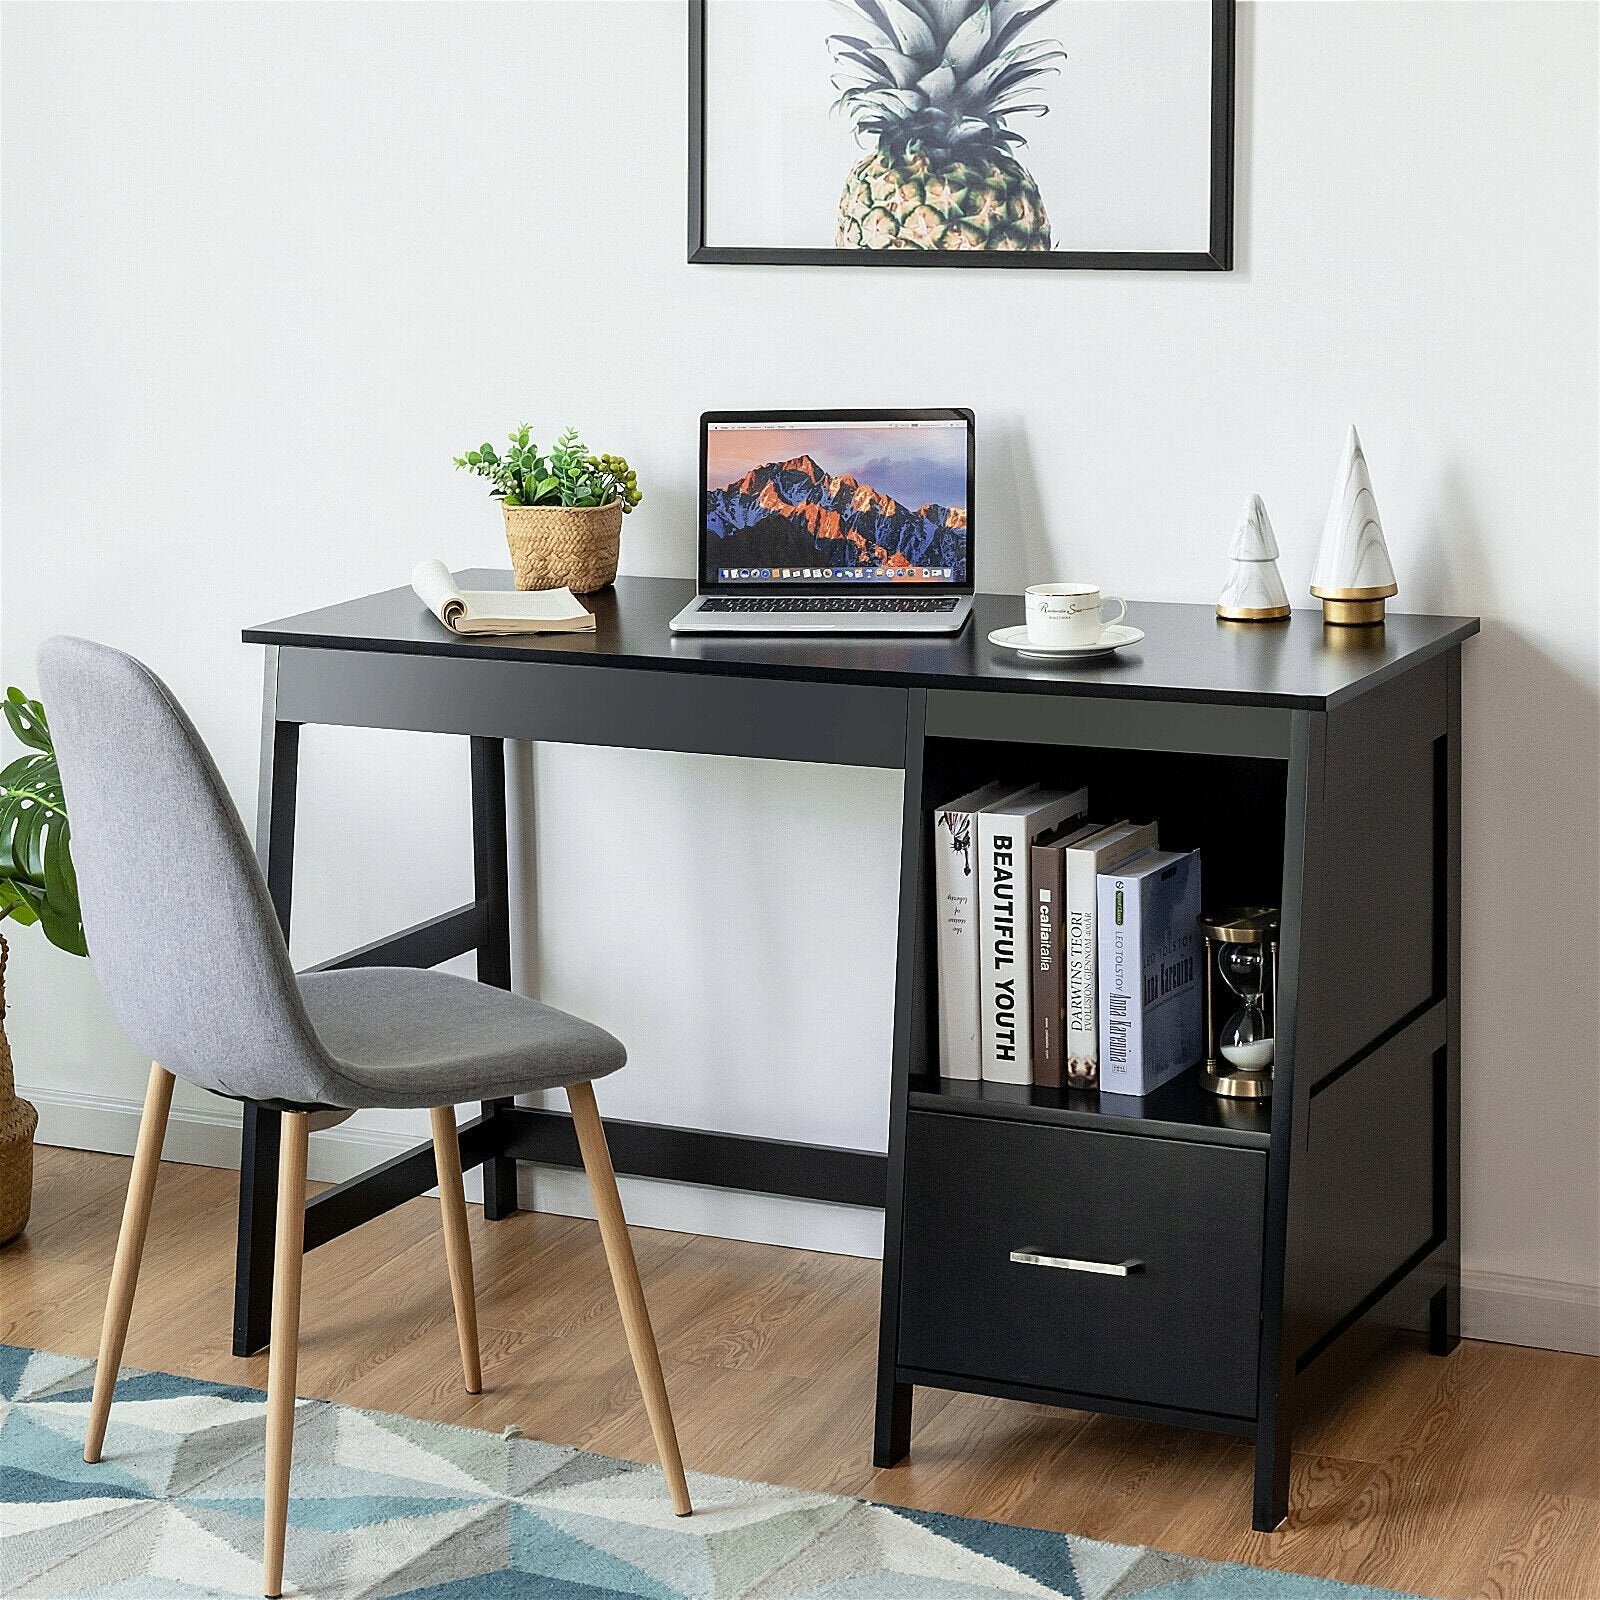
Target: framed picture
x,y
944,133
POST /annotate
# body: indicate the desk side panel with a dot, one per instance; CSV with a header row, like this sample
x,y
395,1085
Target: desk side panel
x,y
1369,1222
1384,917
838,724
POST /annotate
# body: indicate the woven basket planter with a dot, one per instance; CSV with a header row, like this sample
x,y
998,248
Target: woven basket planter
x,y
570,547
17,1121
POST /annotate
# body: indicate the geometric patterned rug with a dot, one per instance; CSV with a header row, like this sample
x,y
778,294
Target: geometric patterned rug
x,y
385,1507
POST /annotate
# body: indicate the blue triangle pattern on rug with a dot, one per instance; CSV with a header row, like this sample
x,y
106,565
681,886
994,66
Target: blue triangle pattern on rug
x,y
511,1585
1044,1557
37,1457
161,1386
13,1363
19,1487
571,1527
543,1550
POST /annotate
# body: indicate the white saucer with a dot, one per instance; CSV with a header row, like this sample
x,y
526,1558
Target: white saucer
x,y
1116,637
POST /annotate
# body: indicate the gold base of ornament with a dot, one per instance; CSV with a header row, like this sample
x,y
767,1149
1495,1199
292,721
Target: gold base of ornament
x,y
1253,613
1353,608
1352,613
1221,1080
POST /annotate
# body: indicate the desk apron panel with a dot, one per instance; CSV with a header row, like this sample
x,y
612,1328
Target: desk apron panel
x,y
777,719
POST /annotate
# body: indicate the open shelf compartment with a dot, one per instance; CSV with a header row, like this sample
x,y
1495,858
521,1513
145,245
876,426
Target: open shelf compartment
x,y
1230,807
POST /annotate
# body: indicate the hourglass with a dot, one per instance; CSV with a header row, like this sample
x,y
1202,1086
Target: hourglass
x,y
1241,952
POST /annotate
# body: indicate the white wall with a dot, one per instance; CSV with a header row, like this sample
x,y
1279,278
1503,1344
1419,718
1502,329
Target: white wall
x,y
267,267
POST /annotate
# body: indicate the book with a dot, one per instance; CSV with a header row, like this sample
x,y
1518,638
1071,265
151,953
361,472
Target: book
x,y
1006,831
1150,971
469,611
1081,867
1047,892
956,937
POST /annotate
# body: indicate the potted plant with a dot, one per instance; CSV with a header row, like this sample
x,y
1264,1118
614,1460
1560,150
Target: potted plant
x,y
563,511
37,884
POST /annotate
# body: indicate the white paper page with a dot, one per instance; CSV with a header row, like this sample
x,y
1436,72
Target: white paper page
x,y
520,605
436,589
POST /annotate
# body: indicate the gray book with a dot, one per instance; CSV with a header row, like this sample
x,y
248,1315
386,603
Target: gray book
x,y
1151,1027
955,892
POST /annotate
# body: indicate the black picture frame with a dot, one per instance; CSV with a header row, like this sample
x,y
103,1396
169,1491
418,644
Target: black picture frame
x,y
1218,257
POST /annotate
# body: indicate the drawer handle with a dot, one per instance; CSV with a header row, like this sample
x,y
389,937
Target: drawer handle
x,y
1109,1269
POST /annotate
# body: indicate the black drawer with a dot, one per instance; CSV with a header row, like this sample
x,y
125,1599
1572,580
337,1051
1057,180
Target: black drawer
x,y
1180,1329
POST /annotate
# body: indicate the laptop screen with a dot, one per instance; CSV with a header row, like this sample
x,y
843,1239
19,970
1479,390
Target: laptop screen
x,y
836,499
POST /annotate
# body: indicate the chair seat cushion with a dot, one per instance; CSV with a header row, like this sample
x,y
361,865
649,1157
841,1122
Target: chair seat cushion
x,y
409,1037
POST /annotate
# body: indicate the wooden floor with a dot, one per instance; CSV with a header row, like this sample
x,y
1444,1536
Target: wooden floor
x,y
1473,1476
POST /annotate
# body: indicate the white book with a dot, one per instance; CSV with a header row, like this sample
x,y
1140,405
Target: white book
x,y
1006,831
498,610
956,937
1082,866
1150,971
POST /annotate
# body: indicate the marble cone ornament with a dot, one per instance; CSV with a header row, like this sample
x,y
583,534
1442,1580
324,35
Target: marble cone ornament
x,y
1254,591
1353,576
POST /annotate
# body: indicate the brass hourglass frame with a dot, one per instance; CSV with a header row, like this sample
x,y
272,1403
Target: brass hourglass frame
x,y
1243,925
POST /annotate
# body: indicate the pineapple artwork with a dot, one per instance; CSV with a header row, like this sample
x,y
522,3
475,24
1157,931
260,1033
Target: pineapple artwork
x,y
931,86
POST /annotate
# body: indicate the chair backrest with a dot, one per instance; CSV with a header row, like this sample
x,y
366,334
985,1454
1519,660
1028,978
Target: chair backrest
x,y
181,932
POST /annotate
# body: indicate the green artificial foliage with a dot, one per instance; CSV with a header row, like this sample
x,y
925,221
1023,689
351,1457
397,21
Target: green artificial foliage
x,y
568,476
37,880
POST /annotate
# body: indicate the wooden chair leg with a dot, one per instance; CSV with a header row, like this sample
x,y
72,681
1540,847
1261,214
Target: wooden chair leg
x,y
288,1259
130,1251
457,1245
630,1293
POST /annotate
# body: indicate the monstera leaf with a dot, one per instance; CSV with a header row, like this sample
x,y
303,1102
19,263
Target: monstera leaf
x,y
37,882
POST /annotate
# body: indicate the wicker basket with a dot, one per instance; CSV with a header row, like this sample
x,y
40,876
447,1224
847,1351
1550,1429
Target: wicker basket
x,y
17,1121
571,547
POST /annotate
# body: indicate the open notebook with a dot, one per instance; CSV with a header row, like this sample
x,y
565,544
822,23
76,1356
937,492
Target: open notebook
x,y
497,610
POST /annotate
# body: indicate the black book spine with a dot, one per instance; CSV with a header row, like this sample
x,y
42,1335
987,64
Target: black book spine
x,y
1048,878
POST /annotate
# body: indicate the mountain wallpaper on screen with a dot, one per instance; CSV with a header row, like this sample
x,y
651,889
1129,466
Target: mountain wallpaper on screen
x,y
792,513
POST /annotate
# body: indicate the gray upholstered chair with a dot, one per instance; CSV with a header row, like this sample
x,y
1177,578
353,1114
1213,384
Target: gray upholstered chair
x,y
190,956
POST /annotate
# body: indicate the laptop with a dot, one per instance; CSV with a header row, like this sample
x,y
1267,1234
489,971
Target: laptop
x,y
834,522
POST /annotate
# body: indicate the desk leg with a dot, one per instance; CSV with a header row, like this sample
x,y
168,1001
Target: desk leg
x,y
258,1199
492,889
892,1434
1287,1267
258,1137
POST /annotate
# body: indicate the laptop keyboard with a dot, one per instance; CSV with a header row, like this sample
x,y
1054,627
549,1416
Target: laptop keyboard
x,y
792,603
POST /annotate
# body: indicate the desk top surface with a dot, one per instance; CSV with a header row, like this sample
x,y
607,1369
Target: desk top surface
x,y
1186,654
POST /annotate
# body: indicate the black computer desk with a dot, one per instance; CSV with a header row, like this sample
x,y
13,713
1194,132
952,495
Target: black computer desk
x,y
1318,768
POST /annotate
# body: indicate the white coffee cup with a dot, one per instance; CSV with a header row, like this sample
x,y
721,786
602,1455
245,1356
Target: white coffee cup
x,y
1069,615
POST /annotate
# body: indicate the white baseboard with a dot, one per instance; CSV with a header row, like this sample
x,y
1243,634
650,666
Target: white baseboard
x,y
1544,1313
198,1136
208,1136
1496,1306
721,1213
